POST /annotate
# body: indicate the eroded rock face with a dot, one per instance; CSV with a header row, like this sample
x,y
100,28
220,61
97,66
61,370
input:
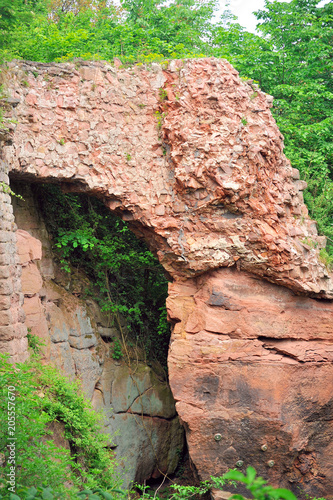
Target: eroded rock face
x,y
251,367
191,157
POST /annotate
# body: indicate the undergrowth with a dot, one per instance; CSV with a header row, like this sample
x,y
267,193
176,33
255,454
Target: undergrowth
x,y
45,471
44,397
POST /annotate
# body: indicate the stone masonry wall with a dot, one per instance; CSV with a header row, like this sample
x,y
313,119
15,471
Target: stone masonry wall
x,y
12,328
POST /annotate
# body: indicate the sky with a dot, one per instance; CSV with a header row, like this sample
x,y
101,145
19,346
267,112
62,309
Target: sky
x,y
243,10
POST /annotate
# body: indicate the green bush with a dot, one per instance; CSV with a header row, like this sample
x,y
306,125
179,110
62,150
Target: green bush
x,y
257,487
43,396
48,493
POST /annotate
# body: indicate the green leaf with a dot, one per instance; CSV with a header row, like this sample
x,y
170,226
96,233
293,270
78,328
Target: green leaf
x,y
285,494
234,475
47,494
32,491
250,474
106,495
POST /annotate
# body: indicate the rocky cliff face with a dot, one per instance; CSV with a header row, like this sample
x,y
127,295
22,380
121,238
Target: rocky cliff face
x,y
192,158
251,370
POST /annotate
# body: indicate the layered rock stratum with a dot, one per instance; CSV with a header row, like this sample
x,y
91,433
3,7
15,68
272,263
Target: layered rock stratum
x,y
191,157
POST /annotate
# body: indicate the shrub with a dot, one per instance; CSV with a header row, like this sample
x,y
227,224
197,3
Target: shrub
x,y
42,396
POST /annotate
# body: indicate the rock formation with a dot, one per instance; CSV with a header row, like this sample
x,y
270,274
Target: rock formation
x,y
251,370
191,157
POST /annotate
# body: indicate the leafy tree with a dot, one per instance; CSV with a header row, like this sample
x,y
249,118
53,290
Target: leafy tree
x,y
32,397
82,28
182,24
301,34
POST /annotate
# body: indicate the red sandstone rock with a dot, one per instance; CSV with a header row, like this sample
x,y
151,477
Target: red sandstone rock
x,y
31,279
222,192
28,247
249,360
253,362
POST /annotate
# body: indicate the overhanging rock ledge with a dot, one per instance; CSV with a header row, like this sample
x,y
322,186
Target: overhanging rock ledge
x,y
189,155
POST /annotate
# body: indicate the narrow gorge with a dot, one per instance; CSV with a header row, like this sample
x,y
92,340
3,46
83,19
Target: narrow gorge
x,y
191,158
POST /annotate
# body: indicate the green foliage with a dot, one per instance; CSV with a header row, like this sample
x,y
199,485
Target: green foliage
x,y
162,94
35,343
159,117
99,493
293,61
326,259
117,352
37,459
181,492
48,493
7,189
43,397
14,14
143,31
258,487
125,277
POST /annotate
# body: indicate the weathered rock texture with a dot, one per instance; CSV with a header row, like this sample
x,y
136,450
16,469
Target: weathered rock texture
x,y
13,332
141,419
252,362
192,158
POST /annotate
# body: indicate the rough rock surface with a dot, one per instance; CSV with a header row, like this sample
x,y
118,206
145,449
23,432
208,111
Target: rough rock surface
x,y
143,423
191,157
13,332
251,363
141,419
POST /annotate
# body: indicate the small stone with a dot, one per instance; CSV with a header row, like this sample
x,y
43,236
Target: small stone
x,y
160,210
